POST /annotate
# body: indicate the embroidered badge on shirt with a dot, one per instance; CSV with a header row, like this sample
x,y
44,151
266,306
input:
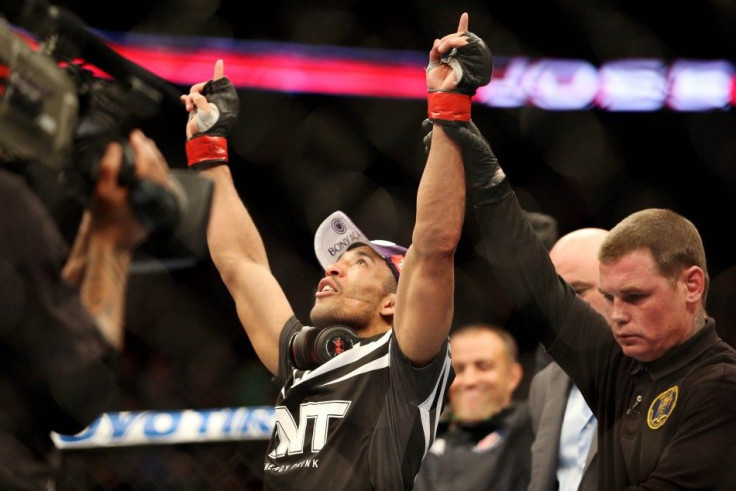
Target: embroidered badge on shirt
x,y
661,408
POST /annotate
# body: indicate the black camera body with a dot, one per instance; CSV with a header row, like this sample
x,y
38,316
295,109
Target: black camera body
x,y
56,112
109,110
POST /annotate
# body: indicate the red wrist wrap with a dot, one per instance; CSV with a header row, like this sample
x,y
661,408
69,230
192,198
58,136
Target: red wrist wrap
x,y
450,106
206,149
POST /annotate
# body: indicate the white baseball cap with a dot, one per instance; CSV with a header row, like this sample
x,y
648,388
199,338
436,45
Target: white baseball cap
x,y
337,233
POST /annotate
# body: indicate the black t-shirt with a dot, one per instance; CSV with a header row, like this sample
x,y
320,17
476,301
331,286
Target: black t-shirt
x,y
362,420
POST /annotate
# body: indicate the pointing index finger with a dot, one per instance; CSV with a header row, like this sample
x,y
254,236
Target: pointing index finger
x,y
219,70
463,25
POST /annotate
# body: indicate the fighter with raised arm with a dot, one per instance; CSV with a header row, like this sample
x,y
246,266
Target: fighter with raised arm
x,y
358,418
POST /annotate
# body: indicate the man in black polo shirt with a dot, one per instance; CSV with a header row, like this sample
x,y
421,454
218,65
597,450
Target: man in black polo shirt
x,y
660,381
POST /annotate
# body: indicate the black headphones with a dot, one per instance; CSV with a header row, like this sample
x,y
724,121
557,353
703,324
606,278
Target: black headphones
x,y
312,346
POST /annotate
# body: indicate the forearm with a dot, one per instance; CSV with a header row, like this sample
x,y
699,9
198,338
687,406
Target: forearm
x,y
519,260
232,236
440,199
99,268
76,264
233,239
426,291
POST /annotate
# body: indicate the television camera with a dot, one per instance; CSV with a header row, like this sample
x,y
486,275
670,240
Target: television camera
x,y
56,112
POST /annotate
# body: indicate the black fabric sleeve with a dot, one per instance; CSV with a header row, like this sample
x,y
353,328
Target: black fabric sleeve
x,y
521,262
417,383
286,363
577,337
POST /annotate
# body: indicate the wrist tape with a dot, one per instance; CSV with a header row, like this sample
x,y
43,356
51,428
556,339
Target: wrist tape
x,y
448,106
206,148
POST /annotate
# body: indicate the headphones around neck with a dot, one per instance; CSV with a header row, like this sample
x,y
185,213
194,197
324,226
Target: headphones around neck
x,y
312,346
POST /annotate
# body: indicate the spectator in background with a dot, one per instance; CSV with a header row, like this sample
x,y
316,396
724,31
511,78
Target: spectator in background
x,y
565,448
61,325
484,440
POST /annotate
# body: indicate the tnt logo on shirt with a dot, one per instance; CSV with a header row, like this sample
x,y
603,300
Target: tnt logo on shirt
x,y
291,436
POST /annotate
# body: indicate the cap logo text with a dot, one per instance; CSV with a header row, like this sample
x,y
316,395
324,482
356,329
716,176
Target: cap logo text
x,y
343,244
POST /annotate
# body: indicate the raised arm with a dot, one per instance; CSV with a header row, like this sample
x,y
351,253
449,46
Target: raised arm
x,y
458,64
235,244
521,262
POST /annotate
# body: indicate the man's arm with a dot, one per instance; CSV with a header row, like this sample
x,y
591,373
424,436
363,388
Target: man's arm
x,y
107,236
239,254
235,244
80,367
519,259
521,263
424,305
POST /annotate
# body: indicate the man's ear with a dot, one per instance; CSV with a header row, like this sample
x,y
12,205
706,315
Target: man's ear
x,y
694,280
388,305
517,373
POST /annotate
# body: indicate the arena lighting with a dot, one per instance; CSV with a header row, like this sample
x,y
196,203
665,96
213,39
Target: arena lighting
x,y
551,84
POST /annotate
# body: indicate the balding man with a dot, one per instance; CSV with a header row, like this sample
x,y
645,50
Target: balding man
x,y
564,448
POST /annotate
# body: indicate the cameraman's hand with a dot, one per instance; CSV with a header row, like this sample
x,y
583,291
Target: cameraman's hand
x,y
109,232
110,212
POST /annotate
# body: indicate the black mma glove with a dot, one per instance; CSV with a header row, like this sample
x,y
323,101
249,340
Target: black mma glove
x,y
482,170
427,140
473,67
209,147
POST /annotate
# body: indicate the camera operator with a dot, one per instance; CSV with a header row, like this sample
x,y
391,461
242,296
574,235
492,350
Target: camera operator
x,y
61,312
